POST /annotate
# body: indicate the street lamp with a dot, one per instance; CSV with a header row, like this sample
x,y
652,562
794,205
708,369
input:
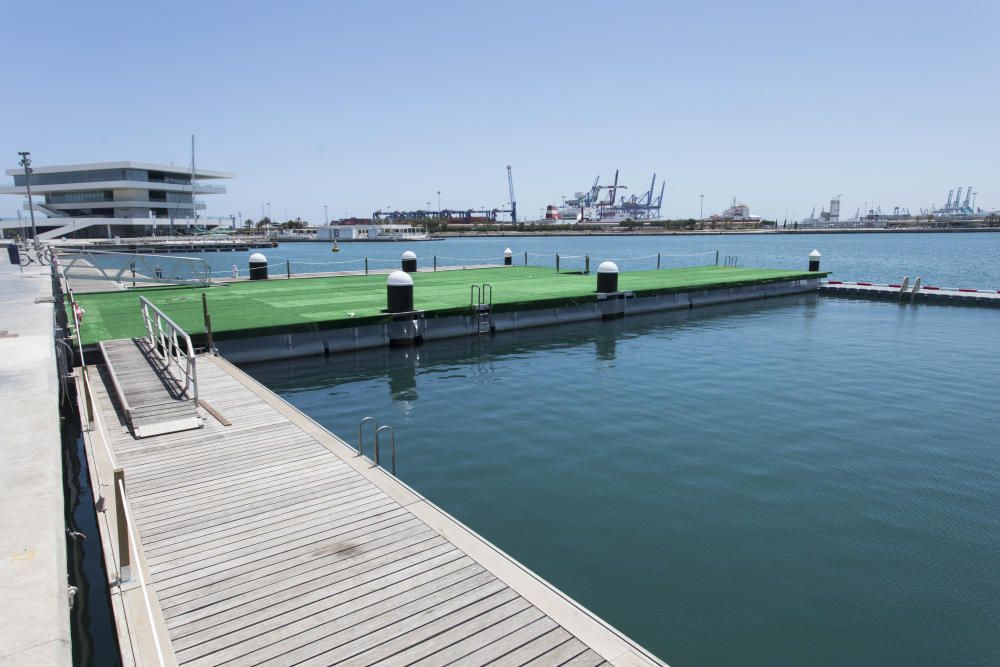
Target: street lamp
x,y
26,163
267,225
439,203
326,216
701,209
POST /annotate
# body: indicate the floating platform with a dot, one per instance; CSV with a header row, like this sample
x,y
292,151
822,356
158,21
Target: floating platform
x,y
279,318
925,294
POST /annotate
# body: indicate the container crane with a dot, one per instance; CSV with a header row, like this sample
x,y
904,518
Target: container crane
x,y
513,203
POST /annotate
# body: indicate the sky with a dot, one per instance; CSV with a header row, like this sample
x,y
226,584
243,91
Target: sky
x,y
373,105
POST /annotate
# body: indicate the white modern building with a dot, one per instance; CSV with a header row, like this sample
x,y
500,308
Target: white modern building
x,y
111,199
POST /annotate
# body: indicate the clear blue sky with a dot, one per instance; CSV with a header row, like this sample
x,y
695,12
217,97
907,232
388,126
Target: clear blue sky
x,y
365,105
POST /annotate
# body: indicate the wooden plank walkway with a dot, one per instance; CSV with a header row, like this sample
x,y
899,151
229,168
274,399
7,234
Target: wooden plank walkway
x,y
269,542
149,394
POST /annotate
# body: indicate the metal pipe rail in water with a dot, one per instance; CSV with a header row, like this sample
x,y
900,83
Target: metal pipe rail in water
x,y
165,337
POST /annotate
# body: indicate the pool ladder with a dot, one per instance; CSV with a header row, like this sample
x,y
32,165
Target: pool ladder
x,y
481,300
732,261
378,432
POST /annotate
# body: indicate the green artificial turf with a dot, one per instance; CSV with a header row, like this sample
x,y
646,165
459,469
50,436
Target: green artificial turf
x,y
301,304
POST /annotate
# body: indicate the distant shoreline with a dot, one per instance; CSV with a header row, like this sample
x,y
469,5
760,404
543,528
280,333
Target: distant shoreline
x,y
715,232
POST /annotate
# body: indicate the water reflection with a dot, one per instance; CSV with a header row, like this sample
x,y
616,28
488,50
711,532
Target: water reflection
x,y
402,366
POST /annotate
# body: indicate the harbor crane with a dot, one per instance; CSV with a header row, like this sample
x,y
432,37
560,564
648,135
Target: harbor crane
x,y
513,202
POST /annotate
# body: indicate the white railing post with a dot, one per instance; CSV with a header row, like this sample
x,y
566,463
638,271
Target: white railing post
x,y
165,337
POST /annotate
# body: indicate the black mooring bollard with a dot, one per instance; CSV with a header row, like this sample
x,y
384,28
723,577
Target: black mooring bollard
x,y
409,262
814,260
607,277
258,267
399,292
508,257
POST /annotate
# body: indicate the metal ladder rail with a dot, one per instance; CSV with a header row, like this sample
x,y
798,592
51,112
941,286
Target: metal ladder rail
x,y
361,442
392,435
483,308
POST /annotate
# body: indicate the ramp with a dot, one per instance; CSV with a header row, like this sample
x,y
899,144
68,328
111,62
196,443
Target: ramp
x,y
155,402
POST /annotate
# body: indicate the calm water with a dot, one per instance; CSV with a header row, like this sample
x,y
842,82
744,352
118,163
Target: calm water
x,y
945,260
804,480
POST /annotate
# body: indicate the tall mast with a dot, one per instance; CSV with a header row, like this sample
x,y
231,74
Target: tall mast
x,y
194,215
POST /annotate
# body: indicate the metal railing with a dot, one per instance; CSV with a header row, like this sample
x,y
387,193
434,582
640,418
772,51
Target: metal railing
x,y
393,442
172,344
361,442
132,268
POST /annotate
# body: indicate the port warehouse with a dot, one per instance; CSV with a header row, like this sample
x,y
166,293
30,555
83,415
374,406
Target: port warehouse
x,y
245,314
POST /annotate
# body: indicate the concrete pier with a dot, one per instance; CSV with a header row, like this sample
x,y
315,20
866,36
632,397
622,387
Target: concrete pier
x,y
34,597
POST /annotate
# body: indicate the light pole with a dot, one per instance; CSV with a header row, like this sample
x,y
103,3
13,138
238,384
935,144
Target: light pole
x,y
701,208
439,203
26,163
326,216
267,225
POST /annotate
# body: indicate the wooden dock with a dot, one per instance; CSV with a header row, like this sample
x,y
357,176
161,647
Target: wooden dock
x,y
262,538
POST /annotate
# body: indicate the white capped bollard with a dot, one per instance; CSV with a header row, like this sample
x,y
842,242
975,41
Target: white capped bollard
x,y
258,267
814,260
607,277
409,263
508,257
399,292
236,272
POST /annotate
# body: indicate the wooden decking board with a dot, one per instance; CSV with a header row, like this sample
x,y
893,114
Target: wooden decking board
x,y
492,653
316,547
153,451
260,535
458,643
233,507
170,505
167,490
537,647
337,538
197,556
409,637
447,632
586,659
183,483
210,464
266,544
283,639
262,616
568,650
295,515
264,577
303,582
350,637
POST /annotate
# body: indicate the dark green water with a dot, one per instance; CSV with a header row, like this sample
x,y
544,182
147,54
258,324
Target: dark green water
x,y
796,481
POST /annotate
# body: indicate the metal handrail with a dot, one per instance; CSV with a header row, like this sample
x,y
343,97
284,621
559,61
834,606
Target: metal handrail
x,y
165,338
361,441
393,442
